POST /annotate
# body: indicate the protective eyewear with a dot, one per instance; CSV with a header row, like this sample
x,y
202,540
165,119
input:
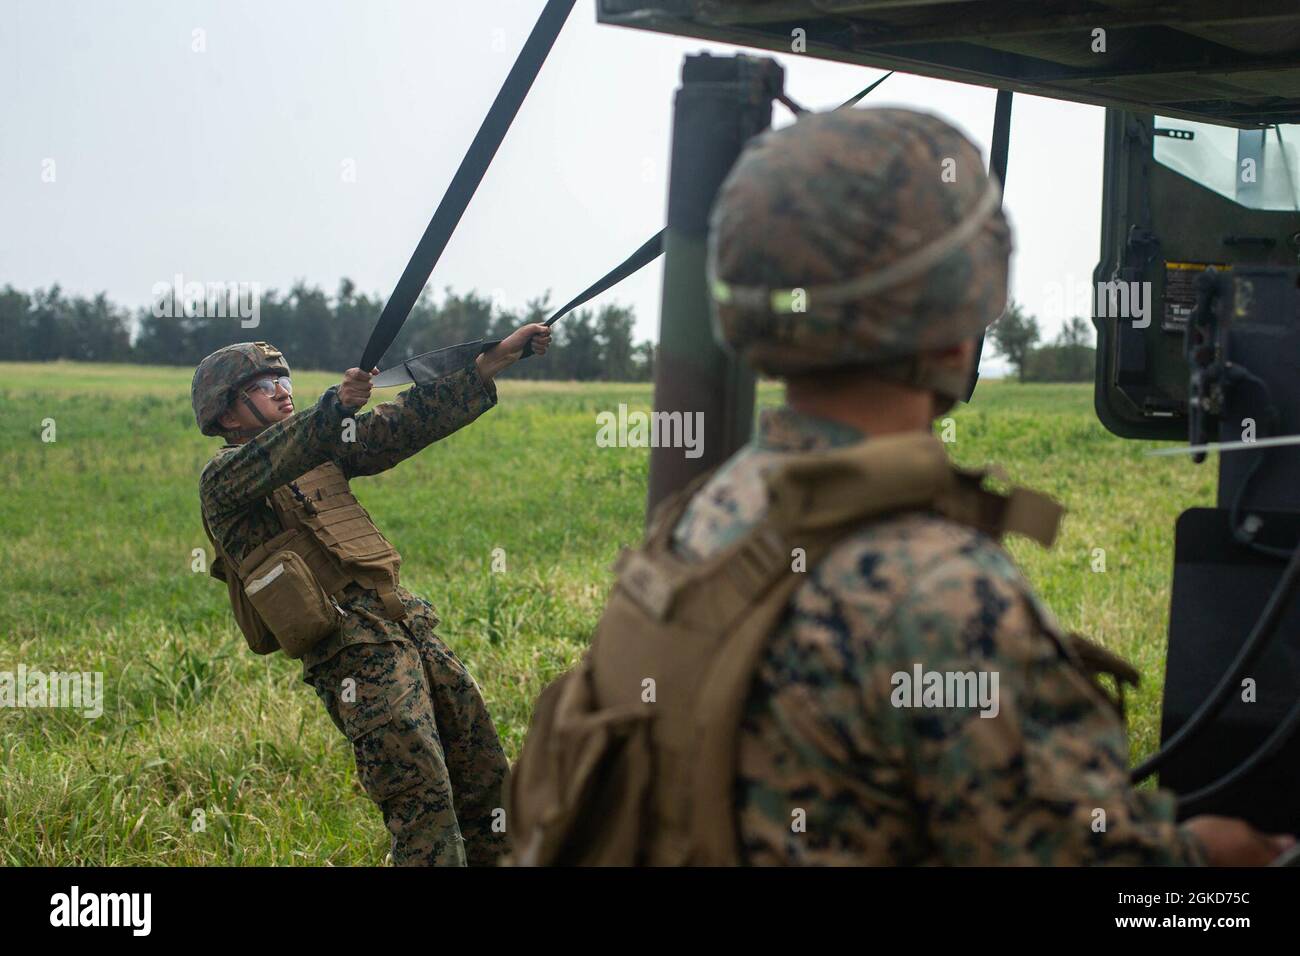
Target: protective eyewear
x,y
267,385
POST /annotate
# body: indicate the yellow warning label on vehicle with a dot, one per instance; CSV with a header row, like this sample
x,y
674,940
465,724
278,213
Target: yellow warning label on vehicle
x,y
1180,291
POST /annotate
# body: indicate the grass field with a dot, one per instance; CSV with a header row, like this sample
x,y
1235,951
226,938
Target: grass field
x,y
99,527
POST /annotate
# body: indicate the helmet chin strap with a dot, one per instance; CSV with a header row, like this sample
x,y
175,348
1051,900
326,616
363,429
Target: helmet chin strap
x,y
252,407
251,431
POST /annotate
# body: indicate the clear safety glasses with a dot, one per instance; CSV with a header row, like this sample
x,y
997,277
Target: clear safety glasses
x,y
267,385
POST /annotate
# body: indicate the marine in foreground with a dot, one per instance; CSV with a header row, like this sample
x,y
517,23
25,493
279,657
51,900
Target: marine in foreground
x,y
821,654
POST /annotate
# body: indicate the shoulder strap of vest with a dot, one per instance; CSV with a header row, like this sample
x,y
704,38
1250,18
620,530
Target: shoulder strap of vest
x,y
713,834
833,488
647,573
1020,511
813,499
899,472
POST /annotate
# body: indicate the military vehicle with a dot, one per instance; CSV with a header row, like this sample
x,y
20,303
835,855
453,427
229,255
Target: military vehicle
x,y
1197,304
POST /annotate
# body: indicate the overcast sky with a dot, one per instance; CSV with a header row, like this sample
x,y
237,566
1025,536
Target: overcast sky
x,y
232,162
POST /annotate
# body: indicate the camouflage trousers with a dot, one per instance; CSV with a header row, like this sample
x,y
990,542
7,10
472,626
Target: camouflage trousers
x,y
426,749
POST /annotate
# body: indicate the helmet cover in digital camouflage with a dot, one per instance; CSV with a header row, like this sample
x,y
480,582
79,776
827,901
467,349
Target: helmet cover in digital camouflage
x,y
856,237
222,372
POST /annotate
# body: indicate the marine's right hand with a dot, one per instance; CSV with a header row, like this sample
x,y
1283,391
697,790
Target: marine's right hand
x,y
1232,842
355,388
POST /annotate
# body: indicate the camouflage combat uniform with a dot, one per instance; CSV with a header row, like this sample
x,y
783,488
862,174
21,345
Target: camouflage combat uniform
x,y
426,749
880,784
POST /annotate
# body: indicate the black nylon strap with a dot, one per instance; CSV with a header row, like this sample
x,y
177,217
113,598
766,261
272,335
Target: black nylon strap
x,y
466,181
998,168
852,101
432,365
649,252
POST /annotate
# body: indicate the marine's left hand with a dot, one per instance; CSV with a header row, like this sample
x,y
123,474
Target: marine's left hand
x,y
509,349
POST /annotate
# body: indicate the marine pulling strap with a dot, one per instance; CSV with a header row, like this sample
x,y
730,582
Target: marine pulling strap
x,y
467,179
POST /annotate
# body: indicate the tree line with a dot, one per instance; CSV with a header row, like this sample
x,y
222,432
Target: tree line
x,y
319,331
314,330
1070,358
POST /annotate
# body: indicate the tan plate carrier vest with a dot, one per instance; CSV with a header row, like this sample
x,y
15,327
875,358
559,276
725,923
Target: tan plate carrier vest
x,y
332,543
607,778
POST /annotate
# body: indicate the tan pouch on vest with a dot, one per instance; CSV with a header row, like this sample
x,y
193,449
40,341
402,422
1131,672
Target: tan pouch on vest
x,y
258,636
287,596
256,633
593,777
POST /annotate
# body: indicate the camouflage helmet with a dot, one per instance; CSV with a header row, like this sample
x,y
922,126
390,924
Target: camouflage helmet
x,y
858,237
222,372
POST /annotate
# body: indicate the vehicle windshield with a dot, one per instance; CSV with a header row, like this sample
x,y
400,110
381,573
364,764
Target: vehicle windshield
x,y
1256,168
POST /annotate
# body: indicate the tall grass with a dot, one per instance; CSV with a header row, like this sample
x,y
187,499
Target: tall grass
x,y
207,754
